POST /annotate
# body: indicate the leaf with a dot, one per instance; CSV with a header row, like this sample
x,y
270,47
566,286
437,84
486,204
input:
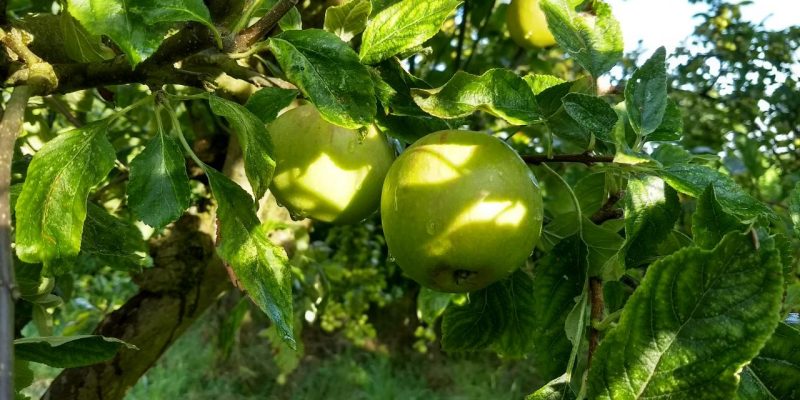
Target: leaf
x,y
592,113
393,86
111,241
693,180
68,351
495,316
403,26
410,128
158,187
558,121
431,304
557,389
774,373
253,139
348,19
23,375
540,83
646,94
160,11
794,208
558,279
595,41
261,267
671,128
116,19
669,154
696,319
710,223
52,206
328,72
291,21
651,210
79,44
499,92
267,102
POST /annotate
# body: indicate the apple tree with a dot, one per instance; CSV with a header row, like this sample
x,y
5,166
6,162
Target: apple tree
x,y
538,212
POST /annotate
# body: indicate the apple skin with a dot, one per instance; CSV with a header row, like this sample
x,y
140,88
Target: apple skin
x,y
460,210
326,172
527,24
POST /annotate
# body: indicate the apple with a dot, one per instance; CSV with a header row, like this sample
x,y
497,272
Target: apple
x,y
527,24
460,210
326,172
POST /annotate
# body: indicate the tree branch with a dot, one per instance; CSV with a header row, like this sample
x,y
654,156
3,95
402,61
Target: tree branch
x,y
10,126
584,158
461,33
248,36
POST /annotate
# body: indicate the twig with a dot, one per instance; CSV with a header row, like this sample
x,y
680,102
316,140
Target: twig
x,y
63,108
9,128
461,33
248,36
584,158
608,211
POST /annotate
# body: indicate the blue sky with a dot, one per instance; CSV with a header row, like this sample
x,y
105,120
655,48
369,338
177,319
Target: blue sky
x,y
668,22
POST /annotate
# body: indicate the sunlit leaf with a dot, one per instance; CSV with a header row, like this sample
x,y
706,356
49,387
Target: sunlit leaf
x,y
68,351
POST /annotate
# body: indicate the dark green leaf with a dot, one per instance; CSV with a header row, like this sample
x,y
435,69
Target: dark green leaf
x,y
393,87
775,372
651,210
158,187
52,206
159,11
693,180
696,319
267,102
557,389
253,139
710,223
403,26
229,330
794,208
671,128
116,19
595,41
348,19
668,154
516,339
110,241
603,244
261,267
646,94
23,375
499,92
431,304
410,128
591,192
79,44
592,113
558,279
328,72
68,351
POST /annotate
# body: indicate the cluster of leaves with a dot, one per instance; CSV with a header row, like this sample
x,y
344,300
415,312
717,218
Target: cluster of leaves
x,y
684,307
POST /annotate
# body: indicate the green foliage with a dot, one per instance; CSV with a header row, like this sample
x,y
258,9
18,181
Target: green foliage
x,y
592,113
710,222
794,209
68,351
774,372
651,210
646,94
267,102
348,19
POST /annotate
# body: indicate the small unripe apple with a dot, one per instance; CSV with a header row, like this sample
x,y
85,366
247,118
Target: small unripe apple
x,y
527,24
460,211
326,172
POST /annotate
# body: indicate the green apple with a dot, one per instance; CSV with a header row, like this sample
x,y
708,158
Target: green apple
x,y
460,211
527,24
326,172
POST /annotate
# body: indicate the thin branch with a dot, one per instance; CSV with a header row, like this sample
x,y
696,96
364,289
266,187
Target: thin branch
x,y
59,105
9,129
597,307
584,158
248,36
608,211
461,33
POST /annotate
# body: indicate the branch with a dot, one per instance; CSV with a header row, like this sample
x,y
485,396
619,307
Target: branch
x,y
584,158
247,37
461,33
9,129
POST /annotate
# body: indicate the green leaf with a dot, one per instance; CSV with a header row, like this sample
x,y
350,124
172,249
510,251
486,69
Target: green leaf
x,y
794,208
431,304
646,94
403,26
558,121
158,187
410,128
651,210
52,206
592,113
495,316
267,102
710,223
111,241
693,180
558,279
591,192
393,85
603,244
68,351
23,375
669,154
499,92
696,319
540,83
160,11
116,19
348,19
261,267
328,72
671,128
79,44
595,41
775,372
557,389
253,139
